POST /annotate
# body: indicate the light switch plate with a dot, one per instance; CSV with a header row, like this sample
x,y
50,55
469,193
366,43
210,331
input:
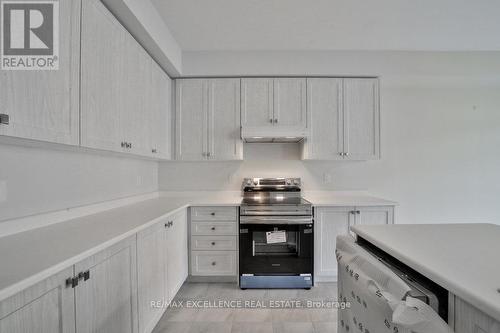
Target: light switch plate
x,y
3,190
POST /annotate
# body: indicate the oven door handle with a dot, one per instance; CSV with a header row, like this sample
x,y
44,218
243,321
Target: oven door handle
x,y
275,220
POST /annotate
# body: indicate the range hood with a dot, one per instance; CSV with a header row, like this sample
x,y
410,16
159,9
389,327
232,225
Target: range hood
x,y
270,135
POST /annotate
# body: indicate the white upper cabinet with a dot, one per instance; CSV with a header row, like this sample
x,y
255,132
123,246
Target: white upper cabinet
x,y
257,102
344,119
125,96
101,78
43,104
208,119
161,105
326,135
191,119
290,103
362,119
224,138
276,104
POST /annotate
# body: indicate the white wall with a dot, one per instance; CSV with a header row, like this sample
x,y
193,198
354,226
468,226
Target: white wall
x,y
440,134
40,180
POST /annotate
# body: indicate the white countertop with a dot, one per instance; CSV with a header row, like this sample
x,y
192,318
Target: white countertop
x,y
338,198
31,256
463,258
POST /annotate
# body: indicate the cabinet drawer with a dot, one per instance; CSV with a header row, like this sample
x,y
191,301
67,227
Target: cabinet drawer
x,y
211,263
214,214
213,228
214,243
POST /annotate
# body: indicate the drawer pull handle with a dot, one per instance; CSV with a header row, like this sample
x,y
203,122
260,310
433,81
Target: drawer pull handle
x,y
213,213
213,228
213,243
214,263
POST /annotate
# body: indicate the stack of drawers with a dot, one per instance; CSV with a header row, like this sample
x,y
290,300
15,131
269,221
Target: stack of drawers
x,y
214,241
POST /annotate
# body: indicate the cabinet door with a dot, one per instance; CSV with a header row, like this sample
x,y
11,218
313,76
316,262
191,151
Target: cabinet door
x,y
191,119
290,103
328,224
374,215
43,105
46,307
136,107
326,121
361,119
468,319
161,111
257,102
151,275
224,138
107,301
102,58
177,253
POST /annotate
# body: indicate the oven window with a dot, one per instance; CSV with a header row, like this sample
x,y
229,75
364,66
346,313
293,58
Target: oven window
x,y
261,247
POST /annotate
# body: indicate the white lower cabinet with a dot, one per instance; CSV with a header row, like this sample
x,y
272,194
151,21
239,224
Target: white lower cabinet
x,y
177,253
48,306
209,263
330,222
162,267
151,275
106,299
468,319
214,241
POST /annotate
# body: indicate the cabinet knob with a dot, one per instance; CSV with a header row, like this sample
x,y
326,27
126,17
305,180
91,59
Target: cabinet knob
x,y
154,151
271,121
4,119
213,243
166,225
346,154
275,120
214,263
213,213
341,154
213,228
86,275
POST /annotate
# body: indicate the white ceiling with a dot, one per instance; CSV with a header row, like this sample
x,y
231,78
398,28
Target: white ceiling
x,y
430,25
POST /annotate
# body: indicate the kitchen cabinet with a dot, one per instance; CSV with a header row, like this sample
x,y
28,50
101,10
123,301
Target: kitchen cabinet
x,y
106,300
125,96
102,77
330,222
361,119
44,104
224,136
151,275
468,319
344,119
257,102
47,306
374,215
208,119
214,241
177,252
326,119
277,103
161,113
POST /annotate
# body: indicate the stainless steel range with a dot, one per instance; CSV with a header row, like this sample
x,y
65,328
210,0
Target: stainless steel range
x,y
276,235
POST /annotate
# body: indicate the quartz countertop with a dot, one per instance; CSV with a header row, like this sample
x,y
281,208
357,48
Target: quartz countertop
x,y
31,256
463,258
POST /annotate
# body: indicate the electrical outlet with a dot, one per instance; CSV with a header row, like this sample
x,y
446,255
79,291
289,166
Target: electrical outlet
x,y
3,191
327,178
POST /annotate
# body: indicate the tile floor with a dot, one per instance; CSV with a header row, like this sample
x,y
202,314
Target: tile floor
x,y
232,310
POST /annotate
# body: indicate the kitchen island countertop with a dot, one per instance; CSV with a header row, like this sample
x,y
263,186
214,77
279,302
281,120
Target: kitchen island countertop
x,y
462,258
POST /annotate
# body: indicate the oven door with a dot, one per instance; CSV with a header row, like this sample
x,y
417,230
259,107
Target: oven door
x,y
291,253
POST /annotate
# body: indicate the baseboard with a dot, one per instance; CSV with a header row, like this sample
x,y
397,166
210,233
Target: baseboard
x,y
213,279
